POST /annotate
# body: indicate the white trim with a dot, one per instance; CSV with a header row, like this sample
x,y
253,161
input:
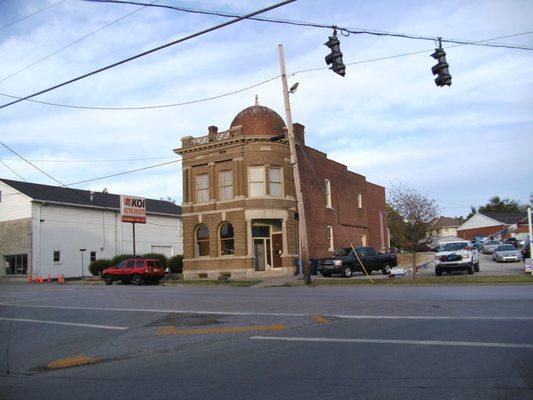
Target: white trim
x,y
38,321
396,341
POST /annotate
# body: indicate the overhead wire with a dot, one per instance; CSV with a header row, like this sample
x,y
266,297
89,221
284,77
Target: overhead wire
x,y
343,30
168,105
32,14
12,170
139,55
92,161
74,42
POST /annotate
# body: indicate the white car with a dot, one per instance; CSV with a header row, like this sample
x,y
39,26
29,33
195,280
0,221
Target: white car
x,y
456,256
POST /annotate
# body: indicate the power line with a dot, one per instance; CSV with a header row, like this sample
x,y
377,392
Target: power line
x,y
32,14
245,88
345,31
202,32
12,170
33,165
75,41
146,107
124,172
93,161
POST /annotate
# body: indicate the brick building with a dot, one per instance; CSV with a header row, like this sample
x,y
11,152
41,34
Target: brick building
x,y
239,208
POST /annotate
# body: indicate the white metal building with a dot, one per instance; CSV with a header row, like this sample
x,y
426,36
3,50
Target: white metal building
x,y
43,228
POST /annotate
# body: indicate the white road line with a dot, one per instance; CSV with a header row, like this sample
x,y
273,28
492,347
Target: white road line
x,y
385,341
342,316
39,321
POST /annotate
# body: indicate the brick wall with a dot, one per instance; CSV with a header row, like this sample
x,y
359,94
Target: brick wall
x,y
15,238
315,168
376,209
468,234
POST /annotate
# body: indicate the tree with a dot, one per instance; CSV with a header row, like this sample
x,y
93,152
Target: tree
x,y
417,211
396,226
497,204
169,199
507,205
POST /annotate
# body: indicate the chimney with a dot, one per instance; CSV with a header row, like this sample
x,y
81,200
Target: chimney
x,y
213,130
299,134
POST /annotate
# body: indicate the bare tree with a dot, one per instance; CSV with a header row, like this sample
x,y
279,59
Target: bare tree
x,y
418,212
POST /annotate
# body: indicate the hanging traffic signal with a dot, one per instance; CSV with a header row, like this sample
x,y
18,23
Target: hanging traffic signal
x,y
441,68
335,57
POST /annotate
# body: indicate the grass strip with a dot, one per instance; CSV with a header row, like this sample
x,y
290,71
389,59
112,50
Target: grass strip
x,y
436,280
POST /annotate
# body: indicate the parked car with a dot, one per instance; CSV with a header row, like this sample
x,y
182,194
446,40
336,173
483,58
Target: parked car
x,y
512,240
479,239
506,252
478,245
456,256
490,246
136,271
345,262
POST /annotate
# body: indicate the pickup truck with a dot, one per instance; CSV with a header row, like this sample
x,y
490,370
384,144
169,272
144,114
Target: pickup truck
x,y
345,262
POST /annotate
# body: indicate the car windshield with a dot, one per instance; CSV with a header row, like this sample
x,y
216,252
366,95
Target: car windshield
x,y
453,246
506,247
343,252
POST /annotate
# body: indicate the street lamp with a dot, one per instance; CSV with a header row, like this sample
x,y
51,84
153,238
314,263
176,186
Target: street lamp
x,y
82,251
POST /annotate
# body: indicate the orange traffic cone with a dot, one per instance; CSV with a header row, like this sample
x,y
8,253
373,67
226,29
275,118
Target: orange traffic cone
x,y
30,279
61,279
49,280
40,279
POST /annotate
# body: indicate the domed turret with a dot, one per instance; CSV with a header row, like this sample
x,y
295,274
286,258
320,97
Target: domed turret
x,y
259,121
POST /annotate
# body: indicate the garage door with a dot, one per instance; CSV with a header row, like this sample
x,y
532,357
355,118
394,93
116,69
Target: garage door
x,y
166,250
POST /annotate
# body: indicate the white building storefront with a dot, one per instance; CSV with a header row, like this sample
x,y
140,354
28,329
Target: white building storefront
x,y
43,228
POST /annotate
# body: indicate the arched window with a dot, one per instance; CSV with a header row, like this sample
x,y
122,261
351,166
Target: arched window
x,y
202,241
331,246
226,243
328,193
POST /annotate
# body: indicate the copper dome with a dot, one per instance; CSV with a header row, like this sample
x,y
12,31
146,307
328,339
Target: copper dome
x,y
259,120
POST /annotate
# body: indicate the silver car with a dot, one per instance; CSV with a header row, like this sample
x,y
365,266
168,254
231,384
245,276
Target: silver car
x,y
490,246
506,252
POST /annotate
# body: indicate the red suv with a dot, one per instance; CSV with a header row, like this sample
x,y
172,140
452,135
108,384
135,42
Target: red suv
x,y
136,271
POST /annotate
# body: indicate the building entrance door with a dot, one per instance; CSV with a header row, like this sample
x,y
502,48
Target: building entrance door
x,y
262,254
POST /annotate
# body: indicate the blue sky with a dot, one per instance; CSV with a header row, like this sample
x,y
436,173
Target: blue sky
x,y
386,119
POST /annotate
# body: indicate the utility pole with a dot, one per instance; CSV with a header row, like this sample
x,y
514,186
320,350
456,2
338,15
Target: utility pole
x,y
302,227
530,231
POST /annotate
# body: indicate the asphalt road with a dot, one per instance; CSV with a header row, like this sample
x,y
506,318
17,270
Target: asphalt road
x,y
398,342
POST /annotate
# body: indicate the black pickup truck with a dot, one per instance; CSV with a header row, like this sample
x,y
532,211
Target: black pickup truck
x,y
345,262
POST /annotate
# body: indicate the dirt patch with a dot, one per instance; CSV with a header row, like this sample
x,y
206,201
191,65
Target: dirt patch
x,y
174,319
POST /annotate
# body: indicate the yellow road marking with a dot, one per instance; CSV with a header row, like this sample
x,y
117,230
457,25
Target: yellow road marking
x,y
172,330
72,361
319,319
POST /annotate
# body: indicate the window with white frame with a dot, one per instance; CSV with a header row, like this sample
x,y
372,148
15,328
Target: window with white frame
x,y
202,188
359,200
275,181
226,185
363,240
328,193
331,246
57,256
256,181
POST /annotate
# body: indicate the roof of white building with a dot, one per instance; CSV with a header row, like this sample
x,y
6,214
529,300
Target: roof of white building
x,y
64,195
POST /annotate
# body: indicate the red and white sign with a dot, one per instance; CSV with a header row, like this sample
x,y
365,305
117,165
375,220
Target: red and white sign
x,y
133,209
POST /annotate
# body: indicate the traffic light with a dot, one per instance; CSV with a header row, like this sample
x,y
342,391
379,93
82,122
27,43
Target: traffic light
x,y
335,57
441,68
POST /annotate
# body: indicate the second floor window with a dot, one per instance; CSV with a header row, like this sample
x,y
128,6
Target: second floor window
x,y
359,200
202,188
226,185
256,181
275,181
328,193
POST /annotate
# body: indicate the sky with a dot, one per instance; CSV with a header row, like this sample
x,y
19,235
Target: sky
x,y
385,119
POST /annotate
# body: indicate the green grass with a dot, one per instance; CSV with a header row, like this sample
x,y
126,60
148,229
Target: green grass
x,y
436,280
210,282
